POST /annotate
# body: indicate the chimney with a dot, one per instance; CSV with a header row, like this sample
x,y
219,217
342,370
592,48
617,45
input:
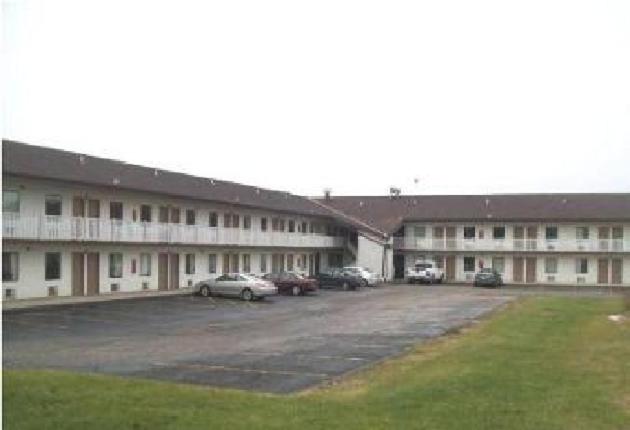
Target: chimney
x,y
327,193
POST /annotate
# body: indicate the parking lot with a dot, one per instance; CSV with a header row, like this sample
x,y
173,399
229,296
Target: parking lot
x,y
280,345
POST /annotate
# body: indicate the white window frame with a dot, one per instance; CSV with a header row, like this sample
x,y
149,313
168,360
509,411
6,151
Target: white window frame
x,y
145,264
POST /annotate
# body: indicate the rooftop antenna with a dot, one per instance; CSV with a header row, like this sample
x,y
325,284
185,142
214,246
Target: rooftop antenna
x,y
394,192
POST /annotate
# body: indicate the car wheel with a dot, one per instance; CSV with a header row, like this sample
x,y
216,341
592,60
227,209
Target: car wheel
x,y
364,283
247,295
296,291
205,291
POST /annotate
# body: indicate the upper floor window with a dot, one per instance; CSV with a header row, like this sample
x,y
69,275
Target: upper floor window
x,y
498,232
420,232
235,221
551,232
304,226
277,224
10,266
469,232
52,266
227,220
190,217
247,222
53,205
213,221
10,201
145,213
116,210
291,226
263,224
581,233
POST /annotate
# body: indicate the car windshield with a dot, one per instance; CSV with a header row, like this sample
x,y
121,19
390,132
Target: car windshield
x,y
243,277
422,266
487,271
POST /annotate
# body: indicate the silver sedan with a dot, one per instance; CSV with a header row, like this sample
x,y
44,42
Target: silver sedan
x,y
246,287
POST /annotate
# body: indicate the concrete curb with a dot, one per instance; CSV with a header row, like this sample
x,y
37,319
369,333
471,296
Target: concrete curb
x,y
40,303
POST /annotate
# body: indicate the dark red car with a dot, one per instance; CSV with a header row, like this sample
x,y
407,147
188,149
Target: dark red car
x,y
291,283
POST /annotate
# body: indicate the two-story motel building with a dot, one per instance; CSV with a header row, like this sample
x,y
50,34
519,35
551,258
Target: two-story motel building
x,y
557,239
74,224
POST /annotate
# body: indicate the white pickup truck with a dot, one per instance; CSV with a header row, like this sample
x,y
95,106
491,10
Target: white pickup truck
x,y
424,271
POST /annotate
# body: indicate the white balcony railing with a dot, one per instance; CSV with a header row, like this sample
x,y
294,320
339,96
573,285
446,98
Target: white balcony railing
x,y
104,230
581,245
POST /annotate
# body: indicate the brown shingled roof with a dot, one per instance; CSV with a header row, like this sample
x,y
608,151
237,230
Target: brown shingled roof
x,y
40,162
386,214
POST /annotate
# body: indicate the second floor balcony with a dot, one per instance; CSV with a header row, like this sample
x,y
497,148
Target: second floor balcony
x,y
490,245
57,228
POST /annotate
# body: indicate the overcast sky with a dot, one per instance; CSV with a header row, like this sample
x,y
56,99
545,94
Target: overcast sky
x,y
429,96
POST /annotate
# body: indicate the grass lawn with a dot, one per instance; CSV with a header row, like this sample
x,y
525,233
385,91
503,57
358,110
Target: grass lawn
x,y
544,363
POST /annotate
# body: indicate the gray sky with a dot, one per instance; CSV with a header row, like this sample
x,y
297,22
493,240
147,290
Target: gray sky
x,y
432,96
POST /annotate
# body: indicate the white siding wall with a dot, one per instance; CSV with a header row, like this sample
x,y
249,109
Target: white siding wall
x,y
370,255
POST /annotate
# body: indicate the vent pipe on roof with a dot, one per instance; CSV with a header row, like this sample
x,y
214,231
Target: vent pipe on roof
x,y
327,193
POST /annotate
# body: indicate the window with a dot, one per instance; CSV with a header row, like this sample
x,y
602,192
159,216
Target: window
x,y
277,224
291,226
247,222
133,265
581,233
582,265
234,260
145,264
469,232
235,221
212,263
227,220
551,233
246,265
263,224
213,220
303,262
420,232
190,217
304,227
263,263
498,232
115,265
469,264
289,262
145,213
190,264
226,263
53,266
551,265
10,266
498,264
115,210
53,205
10,201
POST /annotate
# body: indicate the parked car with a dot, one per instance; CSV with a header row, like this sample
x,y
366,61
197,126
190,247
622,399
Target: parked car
x,y
425,271
291,283
236,285
369,279
339,278
488,277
